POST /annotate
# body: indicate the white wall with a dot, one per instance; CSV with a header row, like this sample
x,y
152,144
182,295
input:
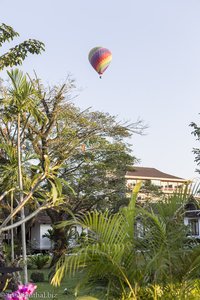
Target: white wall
x,y
37,241
42,243
35,236
45,243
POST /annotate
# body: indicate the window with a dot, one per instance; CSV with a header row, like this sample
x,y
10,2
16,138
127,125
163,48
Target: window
x,y
139,229
194,226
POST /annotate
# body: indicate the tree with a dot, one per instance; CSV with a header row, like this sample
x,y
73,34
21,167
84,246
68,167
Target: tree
x,y
17,54
88,148
86,151
19,99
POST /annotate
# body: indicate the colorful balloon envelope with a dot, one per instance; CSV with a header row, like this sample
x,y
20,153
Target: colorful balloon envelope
x,y
100,59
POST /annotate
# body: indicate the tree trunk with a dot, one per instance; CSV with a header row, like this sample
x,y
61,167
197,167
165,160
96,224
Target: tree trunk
x,y
12,233
21,200
60,236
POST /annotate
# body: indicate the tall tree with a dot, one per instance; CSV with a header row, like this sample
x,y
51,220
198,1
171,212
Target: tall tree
x,y
86,151
16,55
21,98
90,151
17,101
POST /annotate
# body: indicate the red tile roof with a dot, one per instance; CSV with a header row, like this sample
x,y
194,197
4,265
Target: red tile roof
x,y
147,173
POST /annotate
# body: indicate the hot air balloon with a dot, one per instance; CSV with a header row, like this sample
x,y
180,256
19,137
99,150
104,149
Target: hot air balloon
x,y
100,59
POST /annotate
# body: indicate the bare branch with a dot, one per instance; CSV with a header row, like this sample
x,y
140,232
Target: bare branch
x,y
29,217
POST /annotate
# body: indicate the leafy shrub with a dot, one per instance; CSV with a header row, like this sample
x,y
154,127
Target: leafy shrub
x,y
38,260
29,264
37,277
7,251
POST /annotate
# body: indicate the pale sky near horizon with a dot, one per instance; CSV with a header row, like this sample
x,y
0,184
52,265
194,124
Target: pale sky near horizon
x,y
154,74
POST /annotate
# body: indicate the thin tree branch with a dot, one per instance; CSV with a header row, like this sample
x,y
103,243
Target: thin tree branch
x,y
5,193
32,215
25,200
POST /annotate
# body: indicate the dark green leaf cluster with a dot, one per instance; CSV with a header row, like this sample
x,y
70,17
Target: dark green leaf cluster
x,y
7,33
38,261
17,54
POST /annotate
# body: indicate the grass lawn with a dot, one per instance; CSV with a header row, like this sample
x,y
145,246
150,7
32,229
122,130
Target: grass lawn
x,y
46,291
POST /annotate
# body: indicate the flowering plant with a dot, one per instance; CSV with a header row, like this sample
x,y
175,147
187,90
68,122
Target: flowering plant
x,y
24,291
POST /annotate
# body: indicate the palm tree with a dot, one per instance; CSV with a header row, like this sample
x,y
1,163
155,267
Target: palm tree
x,y
107,252
117,259
21,99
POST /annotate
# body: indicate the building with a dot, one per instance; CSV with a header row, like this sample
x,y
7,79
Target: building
x,y
156,182
163,183
166,184
192,218
40,227
39,232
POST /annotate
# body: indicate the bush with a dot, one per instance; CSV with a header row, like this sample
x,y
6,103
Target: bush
x,y
38,260
37,277
29,264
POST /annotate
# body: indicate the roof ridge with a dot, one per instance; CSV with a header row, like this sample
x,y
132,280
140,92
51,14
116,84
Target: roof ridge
x,y
151,173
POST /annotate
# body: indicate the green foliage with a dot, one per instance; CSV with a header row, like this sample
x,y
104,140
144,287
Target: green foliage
x,y
21,99
17,54
151,190
53,132
37,277
124,265
86,298
39,261
7,252
7,33
174,291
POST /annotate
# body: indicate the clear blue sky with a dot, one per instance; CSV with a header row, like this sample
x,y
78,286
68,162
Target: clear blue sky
x,y
154,75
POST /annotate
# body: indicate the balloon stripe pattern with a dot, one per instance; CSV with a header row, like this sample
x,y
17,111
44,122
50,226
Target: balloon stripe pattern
x,y
100,59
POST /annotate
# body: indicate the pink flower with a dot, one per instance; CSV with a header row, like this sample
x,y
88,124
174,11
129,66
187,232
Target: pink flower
x,y
27,289
23,291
